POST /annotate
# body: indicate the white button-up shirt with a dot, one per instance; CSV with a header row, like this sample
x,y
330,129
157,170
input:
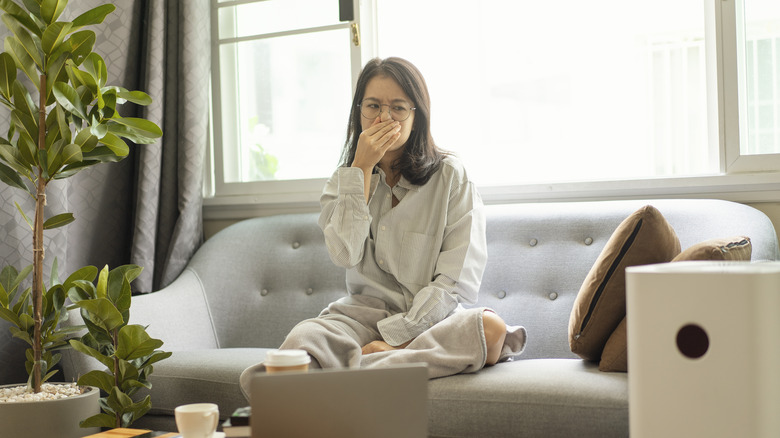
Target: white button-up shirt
x,y
422,257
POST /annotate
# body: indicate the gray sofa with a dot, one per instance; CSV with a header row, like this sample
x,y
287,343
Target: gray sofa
x,y
250,283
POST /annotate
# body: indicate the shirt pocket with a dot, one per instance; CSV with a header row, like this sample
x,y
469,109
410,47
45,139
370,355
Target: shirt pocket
x,y
418,258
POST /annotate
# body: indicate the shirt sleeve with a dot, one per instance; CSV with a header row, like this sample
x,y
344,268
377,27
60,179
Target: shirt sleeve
x,y
345,219
458,271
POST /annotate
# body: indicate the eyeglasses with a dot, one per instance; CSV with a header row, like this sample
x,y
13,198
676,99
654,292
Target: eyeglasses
x,y
398,112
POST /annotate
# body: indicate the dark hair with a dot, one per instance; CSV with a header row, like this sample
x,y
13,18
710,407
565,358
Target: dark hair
x,y
421,158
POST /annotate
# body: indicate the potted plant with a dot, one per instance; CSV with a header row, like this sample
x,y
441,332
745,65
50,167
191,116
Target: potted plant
x,y
64,119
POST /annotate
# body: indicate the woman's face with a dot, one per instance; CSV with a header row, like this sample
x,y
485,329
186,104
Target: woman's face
x,y
385,91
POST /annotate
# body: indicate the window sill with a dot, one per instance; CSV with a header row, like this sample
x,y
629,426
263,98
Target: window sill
x,y
743,188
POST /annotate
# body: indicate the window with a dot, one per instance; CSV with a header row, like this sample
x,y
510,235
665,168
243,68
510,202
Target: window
x,y
541,100
762,76
284,70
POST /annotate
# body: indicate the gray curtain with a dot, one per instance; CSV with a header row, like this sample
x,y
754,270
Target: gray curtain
x,y
176,62
146,209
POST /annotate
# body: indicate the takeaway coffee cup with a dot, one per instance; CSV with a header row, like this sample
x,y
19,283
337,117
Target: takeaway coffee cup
x,y
197,420
286,360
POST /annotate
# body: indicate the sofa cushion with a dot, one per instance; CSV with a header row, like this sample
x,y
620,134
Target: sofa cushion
x,y
551,398
645,237
615,354
734,248
198,376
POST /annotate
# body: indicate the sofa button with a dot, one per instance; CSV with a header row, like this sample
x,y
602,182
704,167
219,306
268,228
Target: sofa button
x,y
533,242
296,245
553,296
588,241
264,292
309,291
501,294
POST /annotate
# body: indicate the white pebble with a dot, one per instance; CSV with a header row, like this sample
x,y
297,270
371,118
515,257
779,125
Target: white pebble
x,y
49,391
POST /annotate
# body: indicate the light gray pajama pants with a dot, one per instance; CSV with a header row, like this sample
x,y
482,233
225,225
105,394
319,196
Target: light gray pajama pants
x,y
336,337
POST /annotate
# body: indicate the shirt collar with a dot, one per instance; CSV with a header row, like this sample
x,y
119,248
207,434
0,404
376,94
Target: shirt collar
x,y
403,182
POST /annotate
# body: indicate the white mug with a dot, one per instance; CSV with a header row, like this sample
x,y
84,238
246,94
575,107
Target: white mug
x,y
197,420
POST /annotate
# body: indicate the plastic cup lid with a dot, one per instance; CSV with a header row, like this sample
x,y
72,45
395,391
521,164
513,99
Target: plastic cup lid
x,y
286,358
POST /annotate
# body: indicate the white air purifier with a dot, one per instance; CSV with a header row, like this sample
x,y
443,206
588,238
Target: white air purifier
x,y
704,350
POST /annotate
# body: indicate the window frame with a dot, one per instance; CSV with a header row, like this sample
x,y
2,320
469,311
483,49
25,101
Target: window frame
x,y
742,178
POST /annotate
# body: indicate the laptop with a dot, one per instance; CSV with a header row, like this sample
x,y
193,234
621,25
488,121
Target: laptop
x,y
341,403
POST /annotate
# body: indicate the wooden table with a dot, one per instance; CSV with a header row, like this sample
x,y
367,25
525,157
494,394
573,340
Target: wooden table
x,y
127,433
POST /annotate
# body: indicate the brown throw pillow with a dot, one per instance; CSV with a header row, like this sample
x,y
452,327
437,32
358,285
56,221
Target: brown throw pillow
x,y
615,354
643,238
735,248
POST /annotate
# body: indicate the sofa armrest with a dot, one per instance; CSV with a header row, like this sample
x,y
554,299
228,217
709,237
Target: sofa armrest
x,y
177,314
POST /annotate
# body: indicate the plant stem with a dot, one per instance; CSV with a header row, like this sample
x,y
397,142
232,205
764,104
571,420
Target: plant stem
x,y
40,202
115,334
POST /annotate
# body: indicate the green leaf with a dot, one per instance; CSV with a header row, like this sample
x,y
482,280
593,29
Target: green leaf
x,y
58,221
10,155
24,273
84,78
48,376
87,273
137,97
54,155
26,146
53,36
117,400
81,290
25,122
43,159
20,14
93,16
9,316
86,140
7,74
140,408
119,280
55,272
22,59
26,219
91,352
102,313
100,420
24,39
95,66
22,302
142,127
135,343
129,133
156,357
26,321
11,177
52,9
72,154
72,169
98,129
100,379
56,73
102,283
68,98
81,44
115,144
21,333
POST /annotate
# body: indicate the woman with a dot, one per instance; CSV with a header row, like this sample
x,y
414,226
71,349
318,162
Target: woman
x,y
407,224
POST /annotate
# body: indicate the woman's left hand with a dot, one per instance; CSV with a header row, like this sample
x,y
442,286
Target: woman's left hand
x,y
377,346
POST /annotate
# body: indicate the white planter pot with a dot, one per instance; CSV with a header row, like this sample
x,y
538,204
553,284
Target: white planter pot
x,y
50,418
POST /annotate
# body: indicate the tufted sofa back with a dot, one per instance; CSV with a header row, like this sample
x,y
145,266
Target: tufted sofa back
x,y
261,276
